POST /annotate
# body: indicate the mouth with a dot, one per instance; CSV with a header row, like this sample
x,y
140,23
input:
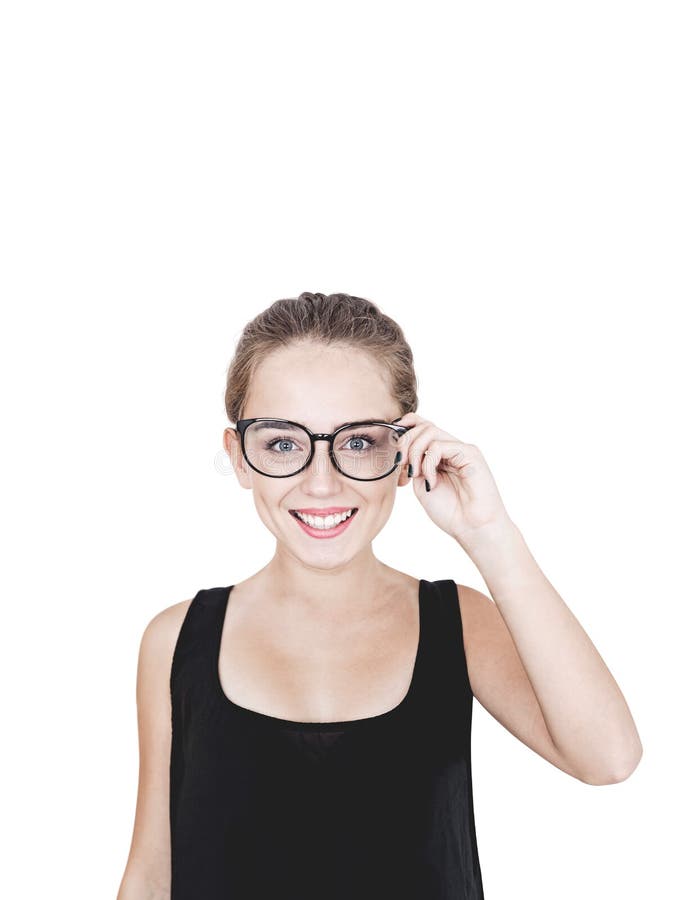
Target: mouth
x,y
324,526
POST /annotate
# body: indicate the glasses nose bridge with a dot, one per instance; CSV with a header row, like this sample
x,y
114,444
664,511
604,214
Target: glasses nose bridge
x,y
322,436
328,438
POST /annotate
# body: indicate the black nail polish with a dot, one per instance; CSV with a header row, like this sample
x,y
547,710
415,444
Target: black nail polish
x,y
426,484
409,471
398,457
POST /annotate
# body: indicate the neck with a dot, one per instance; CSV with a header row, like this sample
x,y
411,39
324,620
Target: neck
x,y
339,592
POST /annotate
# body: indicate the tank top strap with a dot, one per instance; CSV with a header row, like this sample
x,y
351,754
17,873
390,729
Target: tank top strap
x,y
444,671
198,638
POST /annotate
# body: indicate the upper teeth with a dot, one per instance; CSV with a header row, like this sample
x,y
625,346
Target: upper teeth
x,y
324,521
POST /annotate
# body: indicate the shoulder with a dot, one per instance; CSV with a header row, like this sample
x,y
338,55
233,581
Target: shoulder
x,y
475,607
484,631
161,632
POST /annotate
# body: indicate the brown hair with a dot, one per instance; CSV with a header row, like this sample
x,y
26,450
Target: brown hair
x,y
334,319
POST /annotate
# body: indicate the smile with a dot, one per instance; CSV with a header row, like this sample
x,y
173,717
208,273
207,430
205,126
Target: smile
x,y
324,526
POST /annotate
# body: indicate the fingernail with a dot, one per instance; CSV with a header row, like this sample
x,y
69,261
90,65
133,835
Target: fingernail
x,y
409,471
426,484
398,457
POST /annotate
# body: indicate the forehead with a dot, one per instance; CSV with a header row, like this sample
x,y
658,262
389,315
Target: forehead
x,y
320,386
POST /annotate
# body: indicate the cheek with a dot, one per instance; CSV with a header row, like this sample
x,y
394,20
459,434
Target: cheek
x,y
383,499
269,508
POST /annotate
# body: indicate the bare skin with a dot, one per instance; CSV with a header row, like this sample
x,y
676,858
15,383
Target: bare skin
x,y
286,660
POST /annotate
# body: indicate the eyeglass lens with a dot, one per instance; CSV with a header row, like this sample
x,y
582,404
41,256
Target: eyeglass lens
x,y
277,448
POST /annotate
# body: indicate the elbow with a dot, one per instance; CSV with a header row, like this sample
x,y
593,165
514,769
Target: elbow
x,y
618,773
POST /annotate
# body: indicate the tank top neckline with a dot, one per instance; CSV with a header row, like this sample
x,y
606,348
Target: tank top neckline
x,y
278,722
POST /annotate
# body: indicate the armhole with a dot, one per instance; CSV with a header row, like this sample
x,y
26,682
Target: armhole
x,y
179,641
458,631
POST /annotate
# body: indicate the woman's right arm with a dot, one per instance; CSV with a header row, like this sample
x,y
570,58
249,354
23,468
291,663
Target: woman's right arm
x,y
147,873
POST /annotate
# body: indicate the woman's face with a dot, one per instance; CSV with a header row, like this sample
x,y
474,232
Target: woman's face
x,y
320,387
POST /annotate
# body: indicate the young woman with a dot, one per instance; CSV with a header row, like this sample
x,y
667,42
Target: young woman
x,y
306,732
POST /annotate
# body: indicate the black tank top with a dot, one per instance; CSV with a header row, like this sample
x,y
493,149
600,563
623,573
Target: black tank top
x,y
381,807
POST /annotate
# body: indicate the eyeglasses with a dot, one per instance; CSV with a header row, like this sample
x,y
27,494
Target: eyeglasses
x,y
278,448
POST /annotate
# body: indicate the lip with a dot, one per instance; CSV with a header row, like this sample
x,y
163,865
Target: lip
x,y
325,511
325,532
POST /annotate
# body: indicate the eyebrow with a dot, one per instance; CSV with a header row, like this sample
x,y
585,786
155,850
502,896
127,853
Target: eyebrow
x,y
369,419
277,423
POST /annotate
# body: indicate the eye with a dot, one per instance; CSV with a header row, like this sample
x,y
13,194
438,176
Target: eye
x,y
359,437
279,440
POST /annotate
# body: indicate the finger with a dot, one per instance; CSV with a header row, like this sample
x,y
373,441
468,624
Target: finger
x,y
413,445
440,455
416,441
408,417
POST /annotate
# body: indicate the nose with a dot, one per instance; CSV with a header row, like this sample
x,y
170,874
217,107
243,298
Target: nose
x,y
321,472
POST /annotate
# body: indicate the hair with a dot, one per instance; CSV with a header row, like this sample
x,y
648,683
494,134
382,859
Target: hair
x,y
331,319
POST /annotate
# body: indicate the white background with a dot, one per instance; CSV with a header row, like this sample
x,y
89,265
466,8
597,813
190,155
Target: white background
x,y
507,180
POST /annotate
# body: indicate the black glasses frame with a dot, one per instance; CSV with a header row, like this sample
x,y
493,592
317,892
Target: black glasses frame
x,y
243,424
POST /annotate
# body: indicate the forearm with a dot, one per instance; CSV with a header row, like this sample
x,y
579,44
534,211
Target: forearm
x,y
584,709
137,887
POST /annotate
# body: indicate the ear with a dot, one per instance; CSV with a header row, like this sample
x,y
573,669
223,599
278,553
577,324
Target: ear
x,y
403,477
231,442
